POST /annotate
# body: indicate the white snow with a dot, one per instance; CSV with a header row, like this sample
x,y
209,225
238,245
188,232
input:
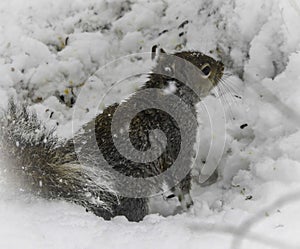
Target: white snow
x,y
171,88
100,49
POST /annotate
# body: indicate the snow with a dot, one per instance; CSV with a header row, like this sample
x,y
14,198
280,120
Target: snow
x,y
99,48
171,89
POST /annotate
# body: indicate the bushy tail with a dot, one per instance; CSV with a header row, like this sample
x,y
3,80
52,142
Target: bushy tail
x,y
42,164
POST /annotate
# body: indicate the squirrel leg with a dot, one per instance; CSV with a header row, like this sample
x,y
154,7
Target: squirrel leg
x,y
186,200
134,209
182,191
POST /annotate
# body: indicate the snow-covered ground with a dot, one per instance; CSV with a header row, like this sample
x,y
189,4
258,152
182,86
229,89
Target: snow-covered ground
x,y
50,49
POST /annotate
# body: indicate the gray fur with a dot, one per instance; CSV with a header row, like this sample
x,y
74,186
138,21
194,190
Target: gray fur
x,y
49,167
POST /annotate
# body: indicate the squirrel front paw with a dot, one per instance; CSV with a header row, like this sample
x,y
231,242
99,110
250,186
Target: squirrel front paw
x,y
185,200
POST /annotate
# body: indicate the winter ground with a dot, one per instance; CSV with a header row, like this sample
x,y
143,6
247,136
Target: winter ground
x,y
48,48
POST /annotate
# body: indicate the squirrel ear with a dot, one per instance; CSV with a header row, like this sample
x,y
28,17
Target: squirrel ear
x,y
154,51
162,51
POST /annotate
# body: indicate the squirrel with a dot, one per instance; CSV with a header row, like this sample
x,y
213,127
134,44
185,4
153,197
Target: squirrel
x,y
50,167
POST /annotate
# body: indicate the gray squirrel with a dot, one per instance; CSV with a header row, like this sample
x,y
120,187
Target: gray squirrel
x,y
50,167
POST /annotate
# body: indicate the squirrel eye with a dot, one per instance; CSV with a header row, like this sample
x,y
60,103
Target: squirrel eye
x,y
206,69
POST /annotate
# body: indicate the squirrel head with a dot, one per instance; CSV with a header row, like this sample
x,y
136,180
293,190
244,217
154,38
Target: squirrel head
x,y
211,68
193,69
